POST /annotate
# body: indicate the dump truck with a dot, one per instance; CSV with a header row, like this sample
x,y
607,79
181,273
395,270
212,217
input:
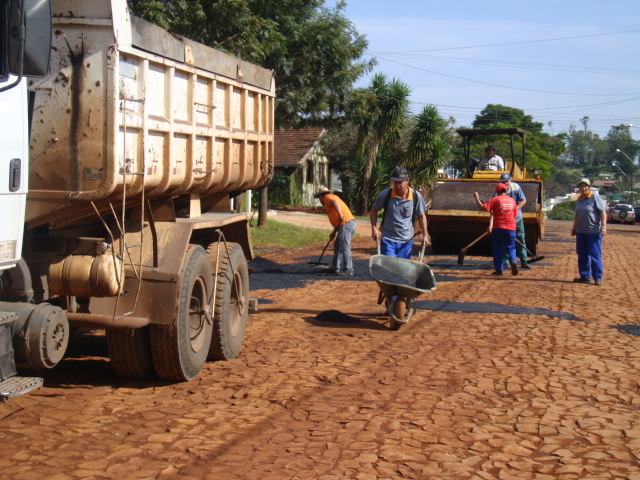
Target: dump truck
x,y
124,150
454,220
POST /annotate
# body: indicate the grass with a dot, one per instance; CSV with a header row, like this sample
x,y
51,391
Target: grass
x,y
278,234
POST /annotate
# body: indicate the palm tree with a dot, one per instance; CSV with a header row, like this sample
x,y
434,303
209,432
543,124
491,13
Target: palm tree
x,y
386,114
427,152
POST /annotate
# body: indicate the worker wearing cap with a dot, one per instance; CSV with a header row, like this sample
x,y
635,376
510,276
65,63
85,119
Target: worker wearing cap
x,y
491,161
589,226
515,192
502,226
344,225
402,207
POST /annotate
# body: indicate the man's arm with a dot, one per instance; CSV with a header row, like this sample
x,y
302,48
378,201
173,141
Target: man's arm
x,y
422,221
478,202
603,222
373,218
336,207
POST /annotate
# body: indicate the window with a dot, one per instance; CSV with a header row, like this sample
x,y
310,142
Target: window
x,y
310,173
322,180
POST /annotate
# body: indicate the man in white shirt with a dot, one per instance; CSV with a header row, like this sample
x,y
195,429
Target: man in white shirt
x,y
491,161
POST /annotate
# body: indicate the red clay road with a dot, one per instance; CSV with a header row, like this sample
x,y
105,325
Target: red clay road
x,y
495,378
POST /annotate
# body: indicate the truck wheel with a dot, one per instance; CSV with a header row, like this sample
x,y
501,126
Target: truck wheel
x,y
130,352
232,300
180,349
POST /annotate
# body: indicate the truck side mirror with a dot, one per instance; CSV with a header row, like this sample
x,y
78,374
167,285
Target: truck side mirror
x,y
29,39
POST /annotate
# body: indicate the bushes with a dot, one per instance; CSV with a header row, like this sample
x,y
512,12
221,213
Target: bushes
x,y
284,190
563,211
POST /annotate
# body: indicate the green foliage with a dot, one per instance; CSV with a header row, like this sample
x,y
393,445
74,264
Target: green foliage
x,y
563,211
496,116
284,190
542,149
285,235
387,111
426,152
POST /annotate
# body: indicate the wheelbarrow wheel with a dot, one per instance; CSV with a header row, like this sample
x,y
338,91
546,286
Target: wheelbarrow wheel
x,y
400,312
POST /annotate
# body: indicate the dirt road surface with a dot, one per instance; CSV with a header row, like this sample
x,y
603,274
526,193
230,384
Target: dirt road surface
x,y
527,377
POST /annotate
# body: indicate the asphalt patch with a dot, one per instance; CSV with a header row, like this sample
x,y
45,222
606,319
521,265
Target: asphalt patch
x,y
630,329
336,316
479,307
269,275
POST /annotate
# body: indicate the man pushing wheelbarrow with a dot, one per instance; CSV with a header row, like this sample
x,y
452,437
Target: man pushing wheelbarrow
x,y
402,207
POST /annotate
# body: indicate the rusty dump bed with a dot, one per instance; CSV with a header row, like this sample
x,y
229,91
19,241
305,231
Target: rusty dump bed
x,y
455,219
129,111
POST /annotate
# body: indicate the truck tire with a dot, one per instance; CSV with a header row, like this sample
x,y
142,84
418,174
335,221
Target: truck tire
x,y
180,349
130,352
231,309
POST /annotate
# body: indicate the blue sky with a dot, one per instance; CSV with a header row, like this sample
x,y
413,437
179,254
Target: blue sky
x,y
558,60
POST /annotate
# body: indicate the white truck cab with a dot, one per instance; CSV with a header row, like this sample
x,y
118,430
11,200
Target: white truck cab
x,y
19,59
14,157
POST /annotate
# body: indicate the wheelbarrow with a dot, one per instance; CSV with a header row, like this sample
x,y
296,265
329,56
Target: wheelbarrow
x,y
400,281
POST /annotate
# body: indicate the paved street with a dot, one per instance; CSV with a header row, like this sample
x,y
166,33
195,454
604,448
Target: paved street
x,y
527,377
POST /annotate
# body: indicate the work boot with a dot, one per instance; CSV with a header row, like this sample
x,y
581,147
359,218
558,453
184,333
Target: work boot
x,y
514,268
525,266
597,282
588,281
497,273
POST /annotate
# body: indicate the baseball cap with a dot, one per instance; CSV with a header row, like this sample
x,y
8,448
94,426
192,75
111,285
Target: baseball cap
x,y
501,187
585,180
505,177
399,174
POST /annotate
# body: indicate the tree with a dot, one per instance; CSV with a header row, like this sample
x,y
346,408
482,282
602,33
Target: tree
x,y
495,116
387,111
542,149
619,138
427,152
314,51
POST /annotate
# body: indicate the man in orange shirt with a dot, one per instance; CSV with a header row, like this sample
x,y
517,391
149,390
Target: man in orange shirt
x,y
344,225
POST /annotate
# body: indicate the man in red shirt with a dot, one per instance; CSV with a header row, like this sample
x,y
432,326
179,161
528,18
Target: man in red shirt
x,y
502,226
344,225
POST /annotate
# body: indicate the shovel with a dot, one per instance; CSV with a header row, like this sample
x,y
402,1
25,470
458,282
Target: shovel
x,y
320,262
532,258
463,252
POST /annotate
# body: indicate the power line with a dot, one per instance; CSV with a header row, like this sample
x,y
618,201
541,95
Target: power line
x,y
510,43
509,87
592,105
528,65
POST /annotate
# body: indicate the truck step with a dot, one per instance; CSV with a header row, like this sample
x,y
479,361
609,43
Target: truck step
x,y
14,386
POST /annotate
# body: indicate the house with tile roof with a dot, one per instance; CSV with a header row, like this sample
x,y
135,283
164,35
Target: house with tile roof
x,y
298,157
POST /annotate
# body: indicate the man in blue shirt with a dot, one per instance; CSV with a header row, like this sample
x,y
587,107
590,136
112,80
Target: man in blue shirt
x,y
402,207
589,226
515,192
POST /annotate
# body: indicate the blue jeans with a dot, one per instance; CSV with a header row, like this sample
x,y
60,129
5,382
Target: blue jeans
x,y
521,251
342,260
589,250
503,239
396,249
